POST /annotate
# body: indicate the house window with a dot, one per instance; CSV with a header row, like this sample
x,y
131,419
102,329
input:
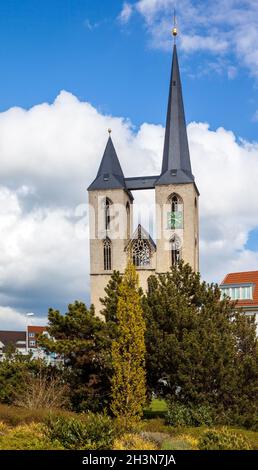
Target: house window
x,y
107,254
141,252
31,335
175,243
246,292
32,343
237,292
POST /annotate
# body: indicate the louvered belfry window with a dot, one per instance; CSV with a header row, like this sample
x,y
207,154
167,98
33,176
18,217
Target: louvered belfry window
x,y
107,254
175,250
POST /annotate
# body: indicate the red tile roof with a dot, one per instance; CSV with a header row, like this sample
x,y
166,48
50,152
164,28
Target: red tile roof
x,y
36,329
249,277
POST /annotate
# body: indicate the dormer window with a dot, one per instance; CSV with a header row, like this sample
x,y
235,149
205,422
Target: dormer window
x,y
237,292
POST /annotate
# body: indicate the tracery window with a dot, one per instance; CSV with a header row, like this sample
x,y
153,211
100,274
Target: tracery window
x,y
107,254
141,252
175,243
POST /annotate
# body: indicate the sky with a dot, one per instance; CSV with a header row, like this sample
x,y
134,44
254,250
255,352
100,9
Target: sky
x,y
70,69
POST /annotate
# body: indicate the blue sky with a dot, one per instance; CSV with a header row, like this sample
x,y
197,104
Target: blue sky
x,y
82,47
113,59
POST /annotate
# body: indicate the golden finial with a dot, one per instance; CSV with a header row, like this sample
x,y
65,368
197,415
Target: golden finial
x,y
175,31
109,131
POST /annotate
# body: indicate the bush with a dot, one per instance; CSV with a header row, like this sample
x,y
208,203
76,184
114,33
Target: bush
x,y
14,416
88,432
248,421
26,437
223,439
3,428
192,415
133,442
42,391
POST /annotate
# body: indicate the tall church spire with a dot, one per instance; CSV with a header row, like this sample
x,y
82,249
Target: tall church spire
x,y
110,174
176,165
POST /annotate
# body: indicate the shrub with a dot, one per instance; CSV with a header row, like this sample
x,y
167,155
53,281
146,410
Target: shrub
x,y
133,442
223,439
14,416
3,428
192,415
27,437
42,391
88,432
249,421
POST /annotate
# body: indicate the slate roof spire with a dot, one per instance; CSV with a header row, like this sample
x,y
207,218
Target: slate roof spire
x,y
176,165
110,174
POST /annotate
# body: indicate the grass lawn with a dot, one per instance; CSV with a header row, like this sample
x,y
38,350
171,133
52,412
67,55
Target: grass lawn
x,y
157,408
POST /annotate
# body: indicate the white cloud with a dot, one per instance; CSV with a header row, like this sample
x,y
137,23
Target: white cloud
x,y
223,27
11,319
46,169
126,13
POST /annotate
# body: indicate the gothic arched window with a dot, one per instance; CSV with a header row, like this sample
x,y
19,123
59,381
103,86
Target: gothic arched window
x,y
107,205
107,254
176,214
128,220
175,244
141,252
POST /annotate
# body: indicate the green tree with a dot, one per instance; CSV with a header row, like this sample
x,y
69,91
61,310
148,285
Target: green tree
x,y
81,339
15,371
128,351
110,301
199,350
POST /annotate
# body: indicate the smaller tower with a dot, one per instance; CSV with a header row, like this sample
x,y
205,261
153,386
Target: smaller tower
x,y
110,223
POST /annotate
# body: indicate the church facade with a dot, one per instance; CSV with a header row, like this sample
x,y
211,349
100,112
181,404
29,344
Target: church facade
x,y
112,238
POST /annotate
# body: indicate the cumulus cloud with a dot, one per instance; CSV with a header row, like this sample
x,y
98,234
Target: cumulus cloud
x,y
225,27
51,153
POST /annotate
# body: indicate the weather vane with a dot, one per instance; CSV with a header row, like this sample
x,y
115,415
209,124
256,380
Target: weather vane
x,y
175,31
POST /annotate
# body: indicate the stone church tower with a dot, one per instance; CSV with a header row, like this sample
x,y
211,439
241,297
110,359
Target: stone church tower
x,y
112,239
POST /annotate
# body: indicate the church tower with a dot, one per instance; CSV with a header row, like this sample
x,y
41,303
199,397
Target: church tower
x,y
110,223
112,239
177,207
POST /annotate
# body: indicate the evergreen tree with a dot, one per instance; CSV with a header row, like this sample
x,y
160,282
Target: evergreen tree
x,y
199,350
110,301
128,351
81,339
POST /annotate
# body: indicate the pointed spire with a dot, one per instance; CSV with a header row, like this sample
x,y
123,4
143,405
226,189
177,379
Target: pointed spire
x,y
110,174
176,166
